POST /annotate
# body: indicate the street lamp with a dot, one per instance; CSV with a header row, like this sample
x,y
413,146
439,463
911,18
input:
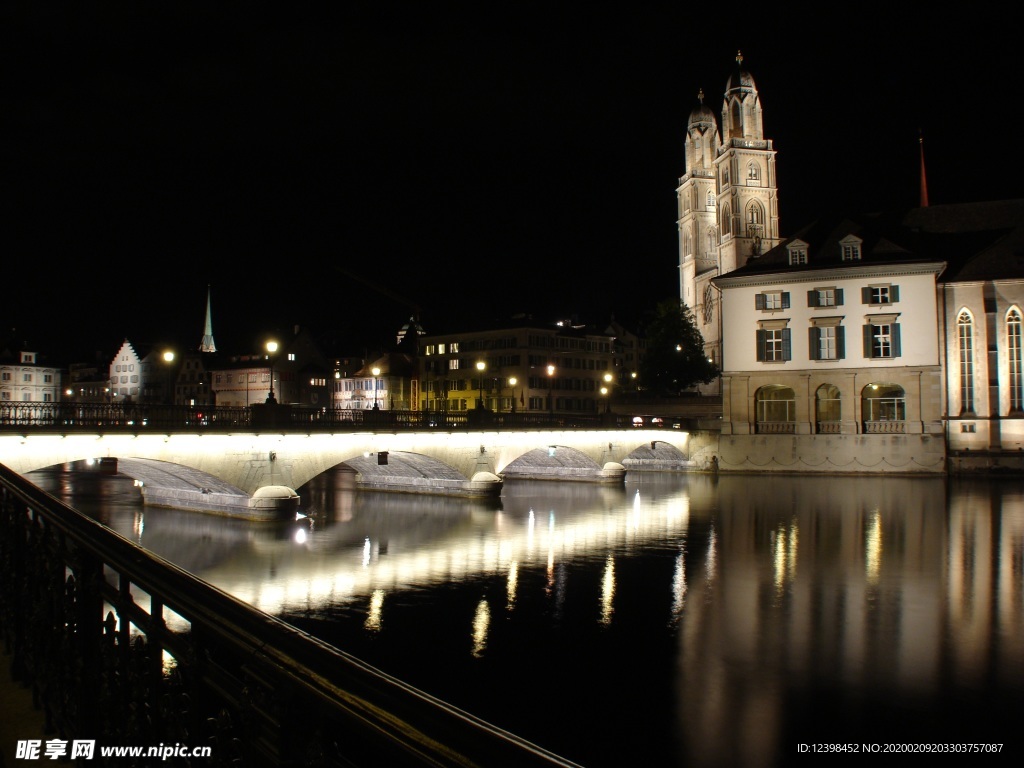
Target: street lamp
x,y
551,403
605,390
512,381
376,372
271,350
481,366
168,389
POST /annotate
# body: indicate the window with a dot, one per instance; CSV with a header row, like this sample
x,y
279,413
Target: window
x,y
711,200
753,172
827,409
850,247
27,378
774,345
825,297
884,408
771,300
797,256
755,219
827,339
1013,347
726,220
453,364
880,294
965,343
775,409
882,338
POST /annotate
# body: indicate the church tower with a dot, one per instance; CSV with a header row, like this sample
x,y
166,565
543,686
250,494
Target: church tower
x,y
207,345
727,201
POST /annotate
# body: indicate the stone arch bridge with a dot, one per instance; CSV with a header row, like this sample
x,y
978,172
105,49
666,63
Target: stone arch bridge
x,y
254,475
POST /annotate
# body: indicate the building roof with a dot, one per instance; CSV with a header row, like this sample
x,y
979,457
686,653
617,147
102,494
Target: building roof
x,y
977,241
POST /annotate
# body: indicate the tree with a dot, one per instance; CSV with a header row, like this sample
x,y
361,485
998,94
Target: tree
x,y
675,359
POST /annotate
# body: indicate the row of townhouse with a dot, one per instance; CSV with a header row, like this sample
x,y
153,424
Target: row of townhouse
x,y
878,342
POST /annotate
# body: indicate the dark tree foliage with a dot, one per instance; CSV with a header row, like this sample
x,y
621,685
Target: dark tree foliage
x,y
675,359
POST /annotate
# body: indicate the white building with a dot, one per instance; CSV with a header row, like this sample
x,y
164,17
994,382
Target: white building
x,y
24,380
867,343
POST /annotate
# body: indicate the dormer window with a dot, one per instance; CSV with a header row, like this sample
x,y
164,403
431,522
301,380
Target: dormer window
x,y
851,248
797,252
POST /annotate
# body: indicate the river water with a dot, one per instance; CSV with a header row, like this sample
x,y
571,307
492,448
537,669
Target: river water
x,y
680,620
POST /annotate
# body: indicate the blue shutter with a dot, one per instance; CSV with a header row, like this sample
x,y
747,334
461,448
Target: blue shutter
x,y
758,301
813,337
894,293
840,342
895,339
785,299
812,298
839,297
867,340
787,344
760,346
865,295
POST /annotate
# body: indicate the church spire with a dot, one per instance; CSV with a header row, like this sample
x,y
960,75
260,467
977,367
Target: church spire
x,y
207,345
924,181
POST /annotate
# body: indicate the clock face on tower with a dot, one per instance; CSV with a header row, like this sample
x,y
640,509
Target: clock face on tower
x,y
709,307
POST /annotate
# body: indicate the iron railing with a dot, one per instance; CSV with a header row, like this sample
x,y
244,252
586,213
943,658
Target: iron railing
x,y
138,418
123,648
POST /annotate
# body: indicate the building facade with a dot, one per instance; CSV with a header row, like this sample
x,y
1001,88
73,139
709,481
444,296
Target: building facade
x,y
23,379
727,201
874,342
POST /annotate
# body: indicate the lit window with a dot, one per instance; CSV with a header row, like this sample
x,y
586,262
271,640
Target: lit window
x,y
965,340
1016,373
797,256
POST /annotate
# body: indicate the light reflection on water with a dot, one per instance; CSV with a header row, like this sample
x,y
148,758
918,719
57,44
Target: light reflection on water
x,y
681,620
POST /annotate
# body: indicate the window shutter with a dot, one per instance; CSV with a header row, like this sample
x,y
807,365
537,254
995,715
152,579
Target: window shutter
x,y
865,295
812,298
839,297
758,301
760,346
785,299
787,343
840,342
894,293
867,340
813,337
895,339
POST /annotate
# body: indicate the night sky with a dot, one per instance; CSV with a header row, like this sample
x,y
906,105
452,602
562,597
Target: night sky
x,y
334,170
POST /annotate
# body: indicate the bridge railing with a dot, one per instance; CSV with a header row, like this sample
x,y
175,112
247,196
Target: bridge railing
x,y
124,648
138,418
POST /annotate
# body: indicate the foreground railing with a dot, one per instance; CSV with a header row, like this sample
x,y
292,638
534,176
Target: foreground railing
x,y
81,417
123,648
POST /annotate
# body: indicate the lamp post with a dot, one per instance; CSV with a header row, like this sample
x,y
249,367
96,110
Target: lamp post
x,y
512,381
271,350
481,366
376,372
168,373
605,390
551,402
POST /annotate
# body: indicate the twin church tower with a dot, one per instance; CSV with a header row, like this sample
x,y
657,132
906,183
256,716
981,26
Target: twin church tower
x,y
728,208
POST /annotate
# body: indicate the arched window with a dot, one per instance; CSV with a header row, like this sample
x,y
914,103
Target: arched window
x,y
776,409
755,219
726,220
688,242
712,240
711,200
965,351
736,123
828,410
883,408
1013,348
753,173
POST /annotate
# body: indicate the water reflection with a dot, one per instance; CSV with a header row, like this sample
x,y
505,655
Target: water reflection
x,y
683,620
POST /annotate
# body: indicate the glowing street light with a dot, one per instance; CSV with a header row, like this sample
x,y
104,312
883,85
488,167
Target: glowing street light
x,y
271,351
481,366
605,390
168,357
512,381
551,402
376,372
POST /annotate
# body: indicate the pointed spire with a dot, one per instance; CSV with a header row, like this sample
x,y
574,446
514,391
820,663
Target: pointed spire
x,y
924,181
700,96
739,59
207,345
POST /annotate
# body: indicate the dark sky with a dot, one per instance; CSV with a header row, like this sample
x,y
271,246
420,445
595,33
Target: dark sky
x,y
334,170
